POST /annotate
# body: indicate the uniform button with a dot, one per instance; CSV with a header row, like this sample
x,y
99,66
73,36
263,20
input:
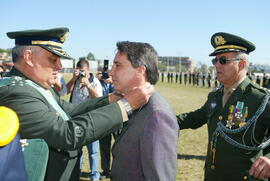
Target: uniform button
x,y
220,117
245,177
212,167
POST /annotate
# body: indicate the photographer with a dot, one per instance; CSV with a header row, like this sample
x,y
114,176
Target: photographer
x,y
83,82
82,86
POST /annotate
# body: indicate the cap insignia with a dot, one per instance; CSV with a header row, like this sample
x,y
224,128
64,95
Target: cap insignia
x,y
64,37
219,40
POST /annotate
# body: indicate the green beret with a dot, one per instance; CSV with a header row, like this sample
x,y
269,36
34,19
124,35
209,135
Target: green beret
x,y
49,39
225,42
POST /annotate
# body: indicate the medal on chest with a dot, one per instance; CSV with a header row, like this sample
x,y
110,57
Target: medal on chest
x,y
237,115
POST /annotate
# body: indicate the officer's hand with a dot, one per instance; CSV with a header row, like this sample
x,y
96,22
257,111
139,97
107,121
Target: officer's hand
x,y
260,168
139,96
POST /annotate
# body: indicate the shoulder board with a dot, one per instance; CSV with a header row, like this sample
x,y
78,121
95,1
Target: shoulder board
x,y
260,87
5,81
12,81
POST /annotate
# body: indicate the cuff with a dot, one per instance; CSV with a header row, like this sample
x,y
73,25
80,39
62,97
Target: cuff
x,y
123,111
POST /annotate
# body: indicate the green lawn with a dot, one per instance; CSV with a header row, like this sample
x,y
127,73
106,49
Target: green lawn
x,y
192,143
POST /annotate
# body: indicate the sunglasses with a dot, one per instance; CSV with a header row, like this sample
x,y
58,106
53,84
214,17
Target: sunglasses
x,y
223,60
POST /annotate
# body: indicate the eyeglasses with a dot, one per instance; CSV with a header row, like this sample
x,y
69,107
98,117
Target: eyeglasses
x,y
223,60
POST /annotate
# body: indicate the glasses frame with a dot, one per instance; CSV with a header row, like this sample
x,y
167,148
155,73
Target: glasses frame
x,y
223,60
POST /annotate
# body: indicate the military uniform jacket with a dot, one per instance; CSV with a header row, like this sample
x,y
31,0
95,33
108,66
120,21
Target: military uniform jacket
x,y
229,162
90,120
146,149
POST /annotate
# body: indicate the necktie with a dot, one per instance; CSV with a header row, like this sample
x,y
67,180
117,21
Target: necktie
x,y
227,93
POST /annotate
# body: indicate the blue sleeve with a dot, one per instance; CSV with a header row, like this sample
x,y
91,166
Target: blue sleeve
x,y
12,162
111,89
64,87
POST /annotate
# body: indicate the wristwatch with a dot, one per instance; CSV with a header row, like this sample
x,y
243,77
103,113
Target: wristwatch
x,y
127,106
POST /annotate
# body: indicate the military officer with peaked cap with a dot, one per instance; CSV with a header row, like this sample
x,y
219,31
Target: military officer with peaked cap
x,y
43,115
237,115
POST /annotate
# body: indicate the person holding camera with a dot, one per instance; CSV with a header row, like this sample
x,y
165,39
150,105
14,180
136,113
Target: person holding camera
x,y
84,85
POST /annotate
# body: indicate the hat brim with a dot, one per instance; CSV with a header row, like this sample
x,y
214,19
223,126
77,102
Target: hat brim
x,y
224,51
58,52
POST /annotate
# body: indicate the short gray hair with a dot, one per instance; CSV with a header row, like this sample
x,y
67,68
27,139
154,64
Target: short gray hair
x,y
243,56
17,51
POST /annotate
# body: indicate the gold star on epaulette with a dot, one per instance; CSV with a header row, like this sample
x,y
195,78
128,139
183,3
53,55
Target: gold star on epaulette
x,y
64,37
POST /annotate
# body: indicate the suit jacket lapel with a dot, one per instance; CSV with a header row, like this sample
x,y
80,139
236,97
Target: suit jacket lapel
x,y
132,119
126,125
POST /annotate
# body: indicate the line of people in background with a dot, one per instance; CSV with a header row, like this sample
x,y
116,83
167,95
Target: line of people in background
x,y
263,81
209,80
195,79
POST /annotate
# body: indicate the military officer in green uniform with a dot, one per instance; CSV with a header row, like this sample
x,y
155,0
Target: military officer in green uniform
x,y
64,127
237,115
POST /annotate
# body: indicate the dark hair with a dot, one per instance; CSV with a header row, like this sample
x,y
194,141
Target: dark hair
x,y
81,63
138,54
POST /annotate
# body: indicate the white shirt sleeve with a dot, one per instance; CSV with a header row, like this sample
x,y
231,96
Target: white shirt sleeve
x,y
97,86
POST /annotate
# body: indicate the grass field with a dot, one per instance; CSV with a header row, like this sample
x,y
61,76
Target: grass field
x,y
192,143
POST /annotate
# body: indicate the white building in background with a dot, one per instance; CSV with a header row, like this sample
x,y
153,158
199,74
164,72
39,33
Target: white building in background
x,y
177,64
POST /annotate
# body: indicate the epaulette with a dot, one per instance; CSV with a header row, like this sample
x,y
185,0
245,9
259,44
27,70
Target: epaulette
x,y
12,81
265,90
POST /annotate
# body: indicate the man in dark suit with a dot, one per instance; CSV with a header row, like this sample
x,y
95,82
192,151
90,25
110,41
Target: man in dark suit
x,y
237,115
146,148
64,127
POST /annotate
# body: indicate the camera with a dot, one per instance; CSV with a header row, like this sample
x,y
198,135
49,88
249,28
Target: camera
x,y
82,73
105,74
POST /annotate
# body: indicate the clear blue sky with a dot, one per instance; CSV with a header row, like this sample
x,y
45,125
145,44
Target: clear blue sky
x,y
173,27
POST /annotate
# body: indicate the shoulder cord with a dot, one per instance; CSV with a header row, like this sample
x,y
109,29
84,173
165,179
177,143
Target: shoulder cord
x,y
222,130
